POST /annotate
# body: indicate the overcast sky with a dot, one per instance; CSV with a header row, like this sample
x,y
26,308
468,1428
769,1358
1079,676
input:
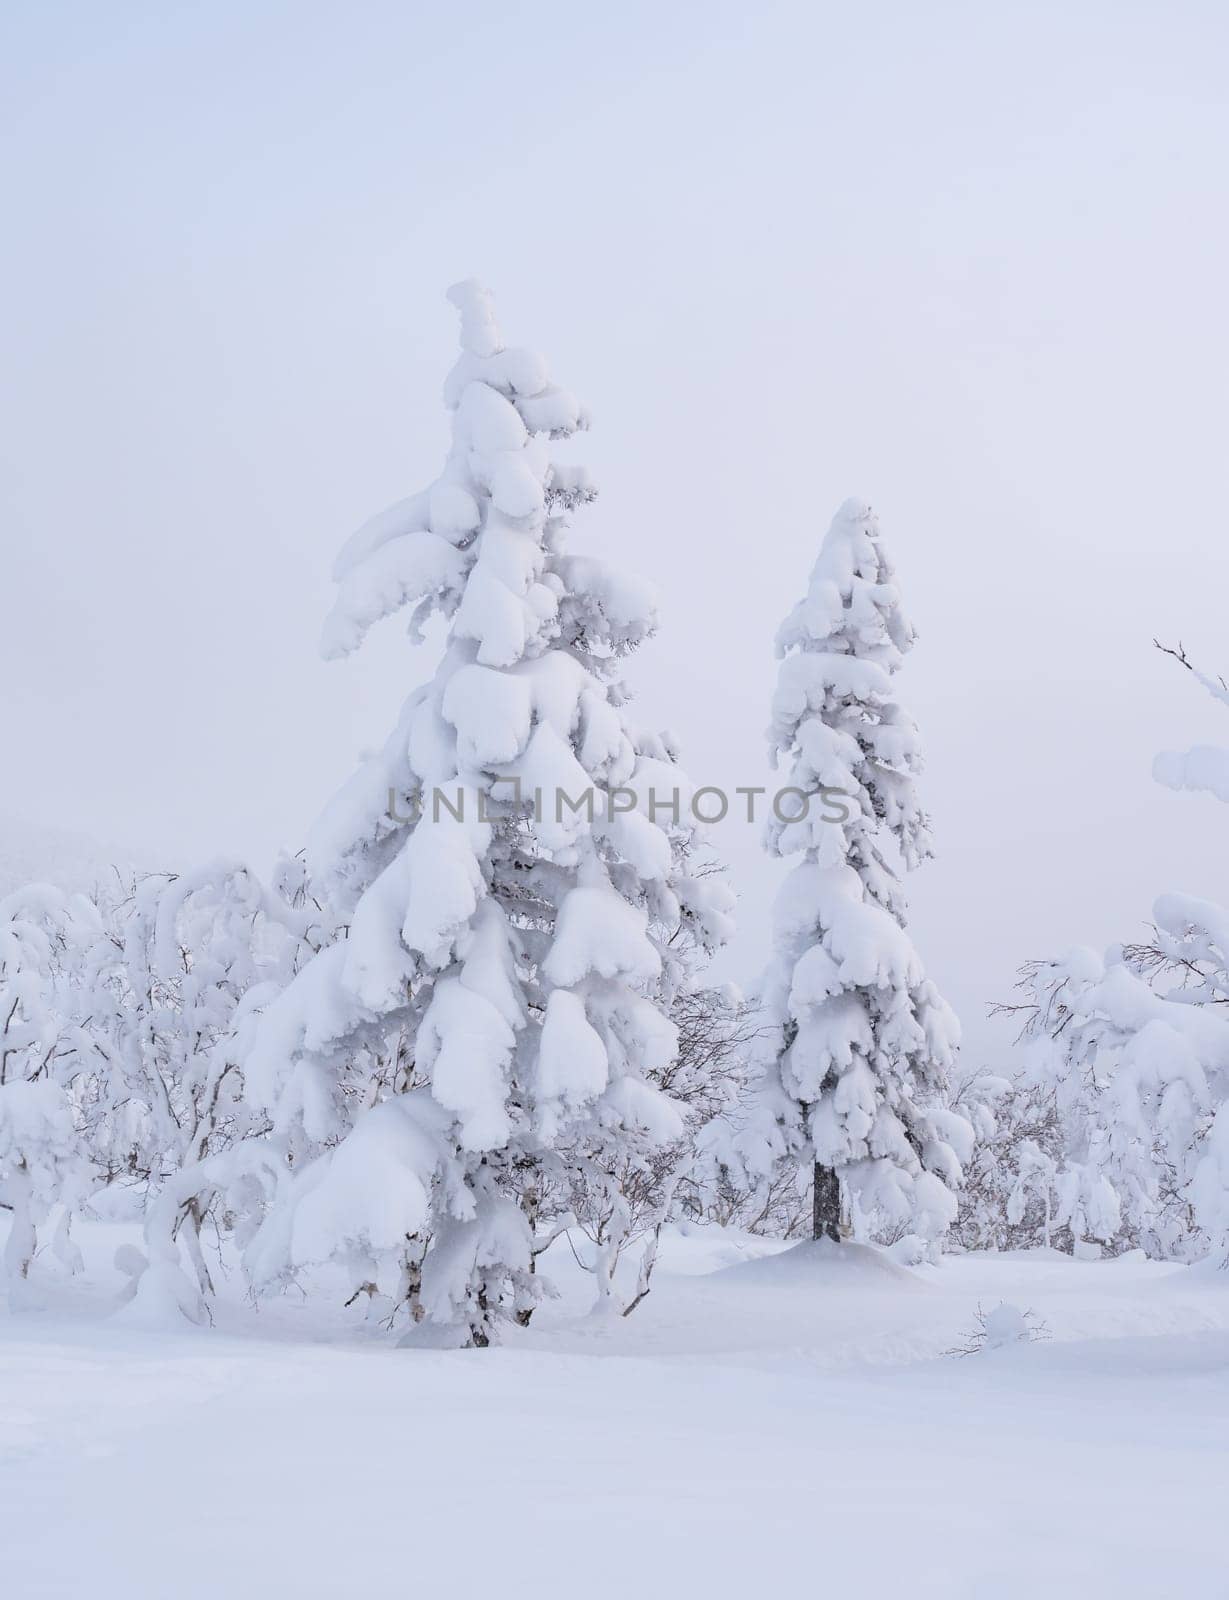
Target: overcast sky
x,y
966,262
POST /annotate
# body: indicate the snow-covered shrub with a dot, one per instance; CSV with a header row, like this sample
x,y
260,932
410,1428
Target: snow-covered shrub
x,y
858,1042
779,1206
44,1158
1000,1328
639,1190
1137,1074
717,1028
181,968
1023,1186
182,957
517,961
40,1162
123,1022
1135,1046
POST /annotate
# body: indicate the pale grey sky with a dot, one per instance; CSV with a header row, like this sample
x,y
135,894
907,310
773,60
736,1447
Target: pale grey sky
x,y
966,262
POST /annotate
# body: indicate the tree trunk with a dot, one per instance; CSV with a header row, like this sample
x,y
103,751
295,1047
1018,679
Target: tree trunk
x,y
529,1205
826,1204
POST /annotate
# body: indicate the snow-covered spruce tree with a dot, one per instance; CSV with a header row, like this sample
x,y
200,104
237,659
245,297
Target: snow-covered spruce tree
x,y
857,1041
515,960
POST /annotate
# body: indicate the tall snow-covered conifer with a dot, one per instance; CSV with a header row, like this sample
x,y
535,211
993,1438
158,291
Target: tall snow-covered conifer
x,y
858,1042
517,961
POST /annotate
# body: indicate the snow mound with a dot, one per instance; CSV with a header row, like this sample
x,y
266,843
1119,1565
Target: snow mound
x,y
434,1336
820,1261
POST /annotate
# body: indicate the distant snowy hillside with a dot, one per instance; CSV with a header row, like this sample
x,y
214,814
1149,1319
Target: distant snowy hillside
x,y
33,852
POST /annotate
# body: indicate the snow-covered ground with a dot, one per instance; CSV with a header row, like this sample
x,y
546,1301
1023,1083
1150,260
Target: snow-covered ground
x,y
763,1423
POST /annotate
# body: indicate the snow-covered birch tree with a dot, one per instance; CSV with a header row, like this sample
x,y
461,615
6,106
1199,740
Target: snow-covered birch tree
x,y
510,897
857,1041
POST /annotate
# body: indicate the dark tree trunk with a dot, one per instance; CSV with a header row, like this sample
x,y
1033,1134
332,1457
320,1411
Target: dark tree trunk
x,y
826,1204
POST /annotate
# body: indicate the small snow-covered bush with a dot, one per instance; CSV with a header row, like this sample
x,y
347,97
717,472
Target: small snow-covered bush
x,y
40,1162
1118,1131
44,1154
1024,1188
1000,1328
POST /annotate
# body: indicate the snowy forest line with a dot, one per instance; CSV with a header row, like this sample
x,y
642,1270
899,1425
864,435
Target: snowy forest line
x,y
434,1044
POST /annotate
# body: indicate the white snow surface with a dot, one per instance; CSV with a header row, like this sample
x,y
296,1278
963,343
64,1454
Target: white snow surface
x,y
767,1419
